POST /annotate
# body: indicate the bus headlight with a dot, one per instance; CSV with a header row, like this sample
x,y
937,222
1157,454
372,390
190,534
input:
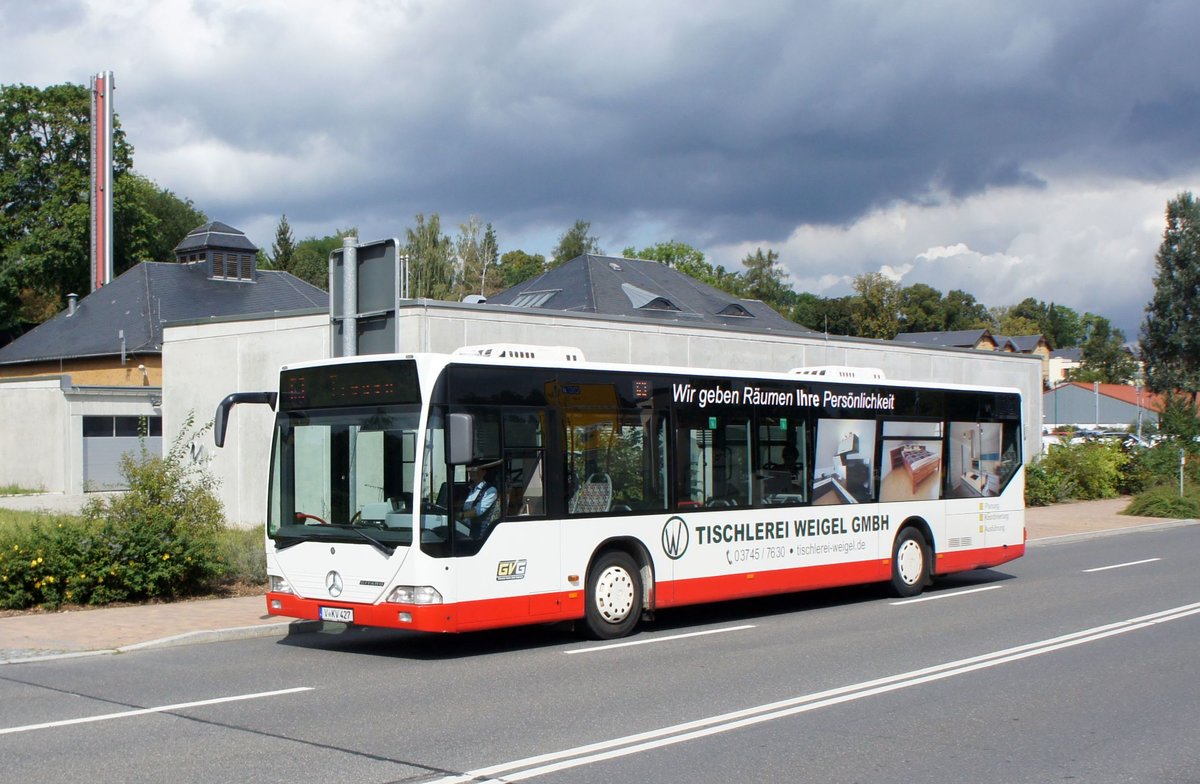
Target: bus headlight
x,y
415,594
280,584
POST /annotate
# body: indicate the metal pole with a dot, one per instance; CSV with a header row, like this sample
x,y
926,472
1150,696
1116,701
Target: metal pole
x,y
349,296
1139,414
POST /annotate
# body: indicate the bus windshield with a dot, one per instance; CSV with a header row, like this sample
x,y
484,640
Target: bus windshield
x,y
344,474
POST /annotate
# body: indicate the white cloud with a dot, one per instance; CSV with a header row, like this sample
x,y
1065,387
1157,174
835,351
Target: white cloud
x,y
1087,244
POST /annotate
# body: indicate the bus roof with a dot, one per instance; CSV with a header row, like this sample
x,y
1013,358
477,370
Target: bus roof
x,y
566,357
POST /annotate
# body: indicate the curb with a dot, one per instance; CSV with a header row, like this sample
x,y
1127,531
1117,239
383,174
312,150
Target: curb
x,y
281,629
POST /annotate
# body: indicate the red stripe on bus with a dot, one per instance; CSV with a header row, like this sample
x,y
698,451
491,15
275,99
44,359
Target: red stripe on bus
x,y
983,558
736,586
569,605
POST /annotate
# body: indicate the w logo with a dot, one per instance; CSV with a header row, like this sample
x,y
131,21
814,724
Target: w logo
x,y
675,537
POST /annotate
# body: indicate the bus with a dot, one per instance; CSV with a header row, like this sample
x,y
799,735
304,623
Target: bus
x,y
619,490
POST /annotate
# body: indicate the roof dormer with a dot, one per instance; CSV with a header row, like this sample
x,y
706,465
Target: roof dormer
x,y
225,252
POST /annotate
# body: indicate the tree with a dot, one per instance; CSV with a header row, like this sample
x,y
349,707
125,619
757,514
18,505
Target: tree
x,y
310,259
963,312
431,262
1013,325
764,279
876,306
45,214
476,268
44,209
1170,334
1063,326
517,266
921,308
283,250
682,257
836,316
1105,358
575,242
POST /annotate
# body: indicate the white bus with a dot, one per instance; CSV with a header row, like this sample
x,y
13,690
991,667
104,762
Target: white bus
x,y
619,490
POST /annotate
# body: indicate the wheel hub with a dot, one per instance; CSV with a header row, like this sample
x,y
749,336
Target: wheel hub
x,y
614,594
909,562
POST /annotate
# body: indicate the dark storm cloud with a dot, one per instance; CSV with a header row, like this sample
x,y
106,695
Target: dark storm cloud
x,y
710,122
750,124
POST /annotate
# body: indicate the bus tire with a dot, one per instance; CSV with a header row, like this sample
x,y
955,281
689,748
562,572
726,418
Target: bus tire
x,y
614,596
910,563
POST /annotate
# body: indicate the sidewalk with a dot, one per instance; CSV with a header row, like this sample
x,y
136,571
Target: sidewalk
x,y
118,629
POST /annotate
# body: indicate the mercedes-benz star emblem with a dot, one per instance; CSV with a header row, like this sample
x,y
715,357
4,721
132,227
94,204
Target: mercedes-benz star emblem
x,y
333,583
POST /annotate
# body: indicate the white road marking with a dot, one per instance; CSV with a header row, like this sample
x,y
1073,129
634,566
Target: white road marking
x,y
1121,565
930,597
650,640
530,767
144,711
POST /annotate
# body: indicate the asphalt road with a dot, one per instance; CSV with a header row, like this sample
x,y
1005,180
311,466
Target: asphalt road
x,y
1077,662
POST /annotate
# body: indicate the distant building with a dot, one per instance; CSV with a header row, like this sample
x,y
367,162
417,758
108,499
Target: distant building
x,y
979,339
984,340
1085,404
87,383
1062,361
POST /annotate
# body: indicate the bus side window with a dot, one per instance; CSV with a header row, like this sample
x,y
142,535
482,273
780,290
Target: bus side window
x,y
523,481
781,472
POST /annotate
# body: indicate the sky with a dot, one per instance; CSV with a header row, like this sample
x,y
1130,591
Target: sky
x,y
1011,149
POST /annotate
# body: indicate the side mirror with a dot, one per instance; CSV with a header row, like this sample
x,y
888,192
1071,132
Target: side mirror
x,y
221,420
460,429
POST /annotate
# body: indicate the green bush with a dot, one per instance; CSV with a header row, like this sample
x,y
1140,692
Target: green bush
x,y
1165,501
1043,487
1087,471
162,539
243,556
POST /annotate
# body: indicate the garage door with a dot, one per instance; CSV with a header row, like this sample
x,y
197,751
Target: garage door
x,y
107,438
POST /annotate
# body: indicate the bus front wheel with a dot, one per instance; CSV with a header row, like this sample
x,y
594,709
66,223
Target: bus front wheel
x,y
910,563
614,596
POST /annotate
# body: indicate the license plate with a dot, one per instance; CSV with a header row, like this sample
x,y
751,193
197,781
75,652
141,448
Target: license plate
x,y
339,614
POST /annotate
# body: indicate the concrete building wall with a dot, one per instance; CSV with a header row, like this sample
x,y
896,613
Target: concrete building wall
x,y
35,444
202,363
41,434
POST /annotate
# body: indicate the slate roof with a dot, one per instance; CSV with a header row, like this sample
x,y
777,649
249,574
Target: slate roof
x,y
642,290
962,338
145,297
215,234
1022,344
1072,354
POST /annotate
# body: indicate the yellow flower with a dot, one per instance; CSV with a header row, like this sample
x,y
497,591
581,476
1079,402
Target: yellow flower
x,y
166,556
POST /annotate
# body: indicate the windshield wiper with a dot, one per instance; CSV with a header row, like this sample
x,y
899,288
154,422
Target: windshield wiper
x,y
380,546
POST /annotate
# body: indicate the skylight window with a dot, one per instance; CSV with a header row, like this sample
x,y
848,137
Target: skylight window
x,y
645,300
534,299
734,309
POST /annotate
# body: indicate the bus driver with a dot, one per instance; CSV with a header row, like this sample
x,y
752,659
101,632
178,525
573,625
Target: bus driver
x,y
480,509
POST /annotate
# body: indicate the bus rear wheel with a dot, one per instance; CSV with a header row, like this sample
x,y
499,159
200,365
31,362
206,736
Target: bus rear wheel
x,y
910,563
614,596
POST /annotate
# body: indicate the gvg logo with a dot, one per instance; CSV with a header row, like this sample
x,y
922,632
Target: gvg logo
x,y
333,584
675,538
